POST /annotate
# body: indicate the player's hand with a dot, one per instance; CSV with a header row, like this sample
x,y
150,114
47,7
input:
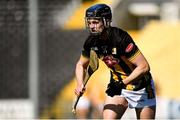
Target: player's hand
x,y
115,88
79,90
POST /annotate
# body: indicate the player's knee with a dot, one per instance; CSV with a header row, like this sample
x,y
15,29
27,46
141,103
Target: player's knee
x,y
114,110
146,112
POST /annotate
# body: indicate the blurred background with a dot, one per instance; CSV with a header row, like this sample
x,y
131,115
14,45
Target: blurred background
x,y
41,41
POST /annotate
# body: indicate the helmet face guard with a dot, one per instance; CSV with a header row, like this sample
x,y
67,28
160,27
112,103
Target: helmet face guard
x,y
106,24
99,12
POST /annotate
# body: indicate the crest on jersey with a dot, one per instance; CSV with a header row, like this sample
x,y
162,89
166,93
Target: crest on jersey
x,y
114,51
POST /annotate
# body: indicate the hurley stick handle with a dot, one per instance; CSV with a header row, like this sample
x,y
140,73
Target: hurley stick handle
x,y
92,67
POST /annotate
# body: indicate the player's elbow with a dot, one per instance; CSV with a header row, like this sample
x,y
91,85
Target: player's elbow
x,y
80,65
145,68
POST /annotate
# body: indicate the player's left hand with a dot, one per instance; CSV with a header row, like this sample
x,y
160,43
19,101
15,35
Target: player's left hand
x,y
79,90
115,88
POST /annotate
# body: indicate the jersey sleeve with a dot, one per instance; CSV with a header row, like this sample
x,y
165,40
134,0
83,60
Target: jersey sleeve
x,y
128,47
85,53
86,49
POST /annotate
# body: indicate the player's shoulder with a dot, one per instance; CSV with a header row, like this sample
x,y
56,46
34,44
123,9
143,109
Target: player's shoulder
x,y
118,34
88,42
117,31
88,39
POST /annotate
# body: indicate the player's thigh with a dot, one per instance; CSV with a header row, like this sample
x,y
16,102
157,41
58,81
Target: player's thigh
x,y
82,109
114,107
146,112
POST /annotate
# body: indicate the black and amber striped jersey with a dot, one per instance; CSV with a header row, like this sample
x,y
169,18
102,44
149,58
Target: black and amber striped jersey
x,y
117,50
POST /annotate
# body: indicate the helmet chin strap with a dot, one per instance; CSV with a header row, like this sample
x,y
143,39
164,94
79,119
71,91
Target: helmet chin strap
x,y
104,34
95,33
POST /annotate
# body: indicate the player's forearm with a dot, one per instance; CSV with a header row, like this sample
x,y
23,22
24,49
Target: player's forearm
x,y
79,74
136,74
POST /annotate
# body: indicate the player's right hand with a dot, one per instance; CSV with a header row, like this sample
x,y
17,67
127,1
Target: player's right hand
x,y
79,90
115,88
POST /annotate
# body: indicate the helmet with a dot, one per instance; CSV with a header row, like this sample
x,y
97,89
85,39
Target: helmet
x,y
101,11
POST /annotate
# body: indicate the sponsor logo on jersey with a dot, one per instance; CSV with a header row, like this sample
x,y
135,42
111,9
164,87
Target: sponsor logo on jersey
x,y
94,48
129,47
